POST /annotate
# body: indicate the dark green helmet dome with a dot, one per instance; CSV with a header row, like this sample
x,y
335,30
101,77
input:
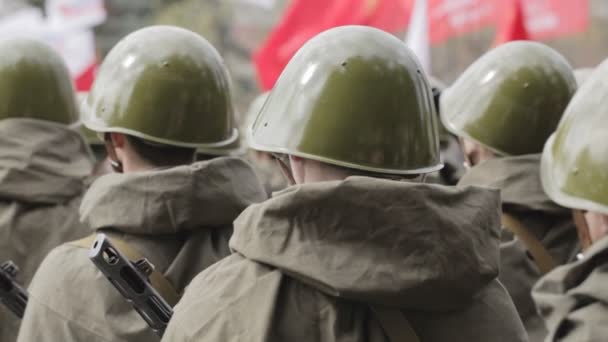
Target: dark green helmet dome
x,y
511,99
574,165
356,97
167,85
35,83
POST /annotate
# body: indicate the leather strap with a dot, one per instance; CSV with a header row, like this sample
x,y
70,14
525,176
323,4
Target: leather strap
x,y
158,281
395,325
578,216
542,258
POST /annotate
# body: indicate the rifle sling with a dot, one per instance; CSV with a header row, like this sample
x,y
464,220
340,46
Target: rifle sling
x,y
542,258
158,281
395,325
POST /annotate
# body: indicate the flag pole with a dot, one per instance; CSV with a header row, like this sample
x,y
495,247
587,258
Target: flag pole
x,y
417,37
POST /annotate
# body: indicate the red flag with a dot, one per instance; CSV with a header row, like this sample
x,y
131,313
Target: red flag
x,y
513,25
304,19
543,18
84,81
555,18
449,18
389,15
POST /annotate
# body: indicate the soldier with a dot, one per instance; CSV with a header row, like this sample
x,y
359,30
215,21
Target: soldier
x,y
504,107
161,93
359,249
262,162
102,162
44,165
582,75
573,299
451,153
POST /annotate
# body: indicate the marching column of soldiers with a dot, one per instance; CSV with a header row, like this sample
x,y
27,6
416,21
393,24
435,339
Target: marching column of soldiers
x,y
362,200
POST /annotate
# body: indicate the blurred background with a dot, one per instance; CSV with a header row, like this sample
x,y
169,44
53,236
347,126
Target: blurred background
x,y
257,37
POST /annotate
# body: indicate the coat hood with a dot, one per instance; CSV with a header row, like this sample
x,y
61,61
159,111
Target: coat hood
x,y
518,179
378,241
573,298
42,162
209,193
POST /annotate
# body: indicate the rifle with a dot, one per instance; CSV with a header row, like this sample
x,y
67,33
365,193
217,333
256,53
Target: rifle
x,y
12,295
131,280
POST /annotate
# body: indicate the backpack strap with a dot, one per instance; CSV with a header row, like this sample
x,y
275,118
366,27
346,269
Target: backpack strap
x,y
395,325
158,281
542,258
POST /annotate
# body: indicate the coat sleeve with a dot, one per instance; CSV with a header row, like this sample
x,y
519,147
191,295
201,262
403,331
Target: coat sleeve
x,y
573,299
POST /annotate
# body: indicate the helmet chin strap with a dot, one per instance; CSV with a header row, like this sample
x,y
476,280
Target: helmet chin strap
x,y
582,229
114,162
282,161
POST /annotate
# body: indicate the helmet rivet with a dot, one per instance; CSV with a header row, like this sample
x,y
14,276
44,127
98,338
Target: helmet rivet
x,y
575,171
526,85
165,64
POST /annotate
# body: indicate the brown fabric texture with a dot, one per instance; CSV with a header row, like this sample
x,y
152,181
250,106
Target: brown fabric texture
x,y
43,173
573,299
179,218
518,178
309,262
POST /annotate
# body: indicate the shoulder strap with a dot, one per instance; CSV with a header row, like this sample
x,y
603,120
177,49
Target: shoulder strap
x,y
542,258
158,281
395,325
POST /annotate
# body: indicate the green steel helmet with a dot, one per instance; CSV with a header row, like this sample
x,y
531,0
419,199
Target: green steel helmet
x,y
574,164
438,87
35,83
511,99
436,83
166,85
235,148
252,112
356,97
91,137
582,75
